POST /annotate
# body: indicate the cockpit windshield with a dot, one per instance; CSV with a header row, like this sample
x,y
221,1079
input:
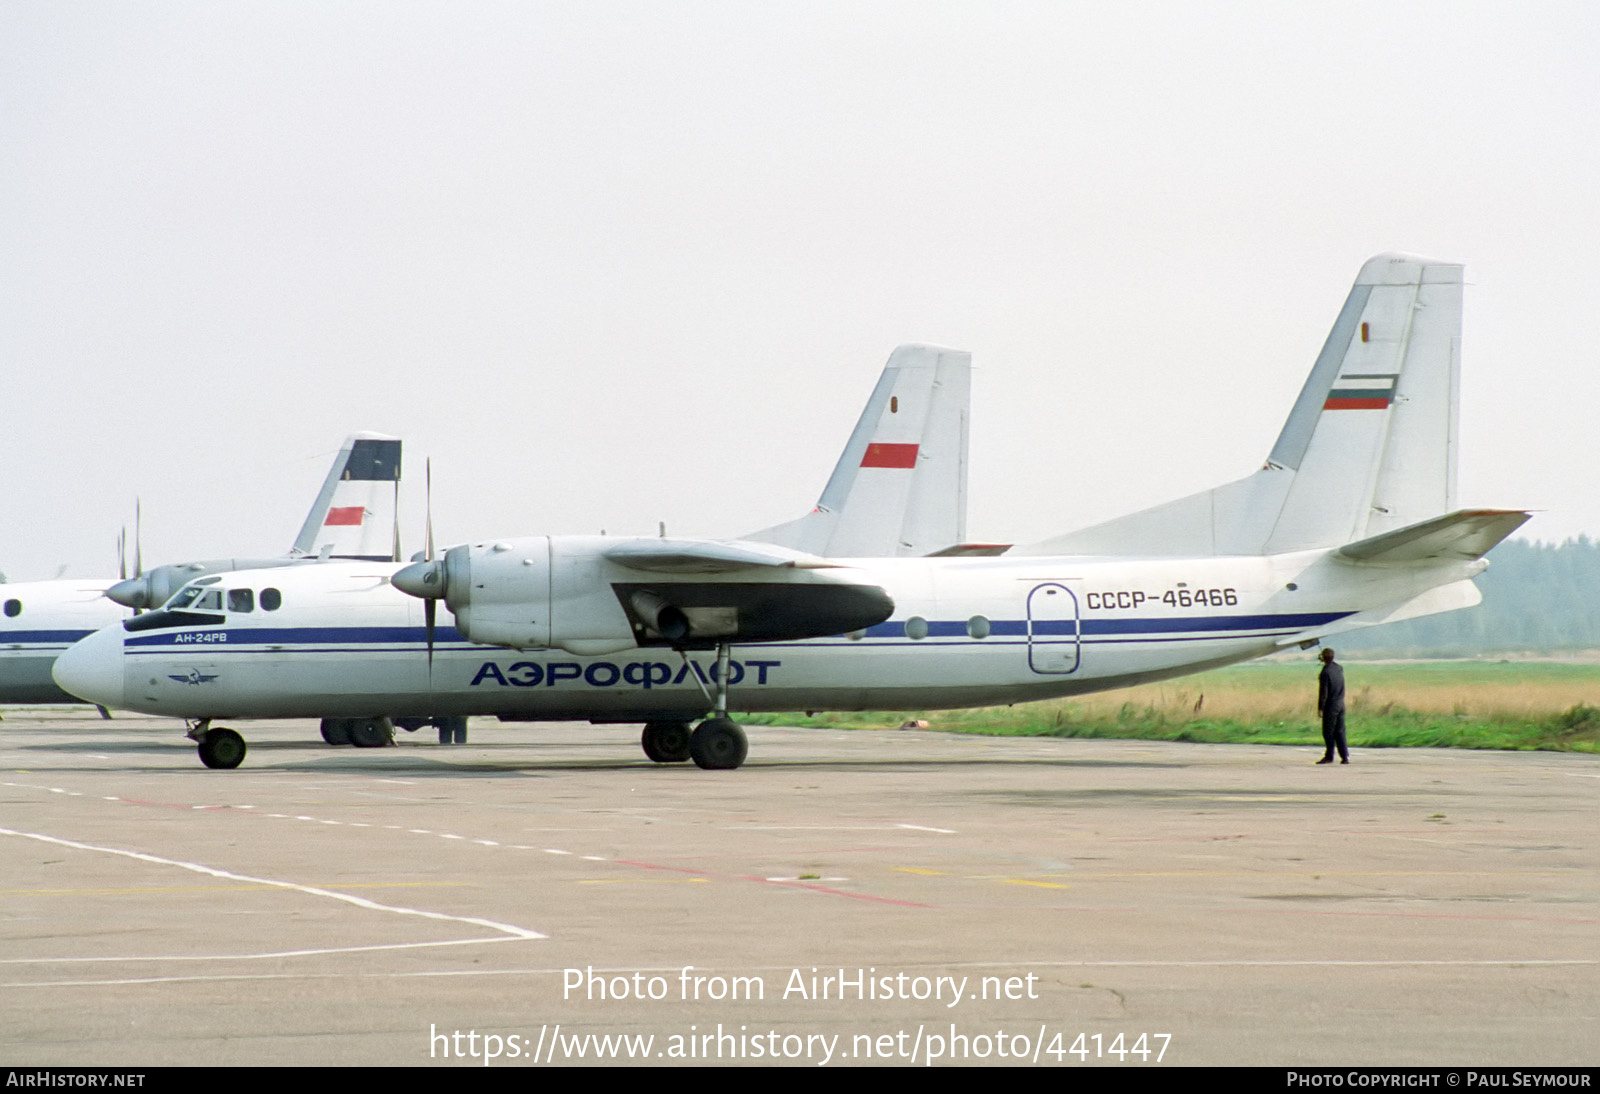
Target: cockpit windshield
x,y
186,595
194,605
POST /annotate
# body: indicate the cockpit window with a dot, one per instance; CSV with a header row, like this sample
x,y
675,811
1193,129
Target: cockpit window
x,y
271,600
241,600
13,608
184,597
210,602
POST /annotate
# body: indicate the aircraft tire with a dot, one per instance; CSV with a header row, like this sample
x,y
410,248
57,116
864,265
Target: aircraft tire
x,y
718,744
666,742
222,749
369,733
336,731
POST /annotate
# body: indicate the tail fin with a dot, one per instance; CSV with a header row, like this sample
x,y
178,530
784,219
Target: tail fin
x,y
355,513
1370,446
900,488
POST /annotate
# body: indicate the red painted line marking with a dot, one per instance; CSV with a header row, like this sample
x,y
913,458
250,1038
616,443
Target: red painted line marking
x,y
1416,915
769,881
903,456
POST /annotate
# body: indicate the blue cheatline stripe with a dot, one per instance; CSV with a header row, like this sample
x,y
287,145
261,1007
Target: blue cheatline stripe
x,y
376,639
1215,623
1163,625
263,636
57,637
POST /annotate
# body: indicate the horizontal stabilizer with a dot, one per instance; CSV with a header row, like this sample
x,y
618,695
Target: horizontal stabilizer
x,y
971,550
1463,535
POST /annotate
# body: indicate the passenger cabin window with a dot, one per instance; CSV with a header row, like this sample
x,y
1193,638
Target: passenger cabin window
x,y
13,608
271,600
241,600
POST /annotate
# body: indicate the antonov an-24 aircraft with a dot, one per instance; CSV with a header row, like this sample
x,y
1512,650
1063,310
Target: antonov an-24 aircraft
x,y
353,517
1351,522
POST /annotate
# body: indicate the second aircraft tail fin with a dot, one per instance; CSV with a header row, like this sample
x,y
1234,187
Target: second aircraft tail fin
x,y
900,487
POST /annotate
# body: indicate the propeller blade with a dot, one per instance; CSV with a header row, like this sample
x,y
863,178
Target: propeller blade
x,y
430,609
138,538
122,554
428,494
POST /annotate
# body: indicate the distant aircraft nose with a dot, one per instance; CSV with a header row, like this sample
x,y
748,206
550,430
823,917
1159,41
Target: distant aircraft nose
x,y
92,669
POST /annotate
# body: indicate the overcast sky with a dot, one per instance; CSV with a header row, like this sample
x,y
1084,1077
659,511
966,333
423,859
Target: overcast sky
x,y
615,263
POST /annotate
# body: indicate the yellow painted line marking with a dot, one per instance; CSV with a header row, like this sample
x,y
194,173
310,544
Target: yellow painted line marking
x,y
1039,884
916,870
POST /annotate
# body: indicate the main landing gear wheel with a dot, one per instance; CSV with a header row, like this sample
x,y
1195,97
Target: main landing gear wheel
x,y
718,744
452,731
666,742
336,731
222,748
370,733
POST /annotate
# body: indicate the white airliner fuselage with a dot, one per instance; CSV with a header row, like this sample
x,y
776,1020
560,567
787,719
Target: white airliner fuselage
x,y
1351,521
39,620
965,632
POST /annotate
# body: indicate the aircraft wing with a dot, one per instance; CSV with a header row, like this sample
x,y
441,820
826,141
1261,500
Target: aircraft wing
x,y
704,556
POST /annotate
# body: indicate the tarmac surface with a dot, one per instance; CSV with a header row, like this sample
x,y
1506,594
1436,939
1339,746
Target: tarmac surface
x,y
1198,904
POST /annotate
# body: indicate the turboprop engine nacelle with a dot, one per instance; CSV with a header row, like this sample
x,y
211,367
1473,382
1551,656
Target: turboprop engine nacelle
x,y
155,587
592,595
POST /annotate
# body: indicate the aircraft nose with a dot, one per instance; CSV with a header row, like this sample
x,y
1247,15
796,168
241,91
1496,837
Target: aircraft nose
x,y
92,669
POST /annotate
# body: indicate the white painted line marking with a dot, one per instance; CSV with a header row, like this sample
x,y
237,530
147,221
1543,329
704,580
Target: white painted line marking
x,y
925,828
125,959
360,902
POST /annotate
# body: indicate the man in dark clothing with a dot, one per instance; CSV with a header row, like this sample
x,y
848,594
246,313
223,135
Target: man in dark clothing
x,y
1330,707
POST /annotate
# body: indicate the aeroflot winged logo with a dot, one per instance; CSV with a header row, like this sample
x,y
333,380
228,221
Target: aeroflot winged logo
x,y
194,676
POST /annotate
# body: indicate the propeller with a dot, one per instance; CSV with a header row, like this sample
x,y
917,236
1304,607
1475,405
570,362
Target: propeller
x,y
131,591
426,579
430,606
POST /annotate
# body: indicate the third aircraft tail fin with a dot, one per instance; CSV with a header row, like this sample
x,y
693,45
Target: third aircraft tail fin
x,y
354,514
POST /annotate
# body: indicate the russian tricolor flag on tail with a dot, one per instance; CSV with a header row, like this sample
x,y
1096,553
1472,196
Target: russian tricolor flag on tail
x,y
1361,392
